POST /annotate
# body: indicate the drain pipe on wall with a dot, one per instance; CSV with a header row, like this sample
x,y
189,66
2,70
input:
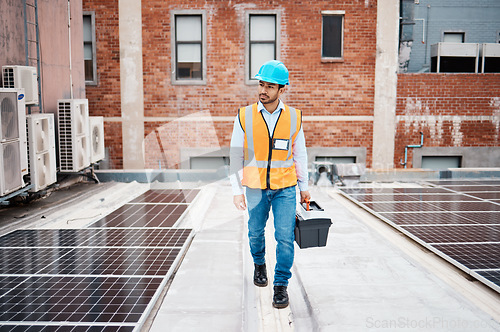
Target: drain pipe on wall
x,y
69,40
412,146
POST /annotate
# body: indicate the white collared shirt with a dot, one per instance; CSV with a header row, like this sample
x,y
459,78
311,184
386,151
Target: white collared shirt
x,y
238,141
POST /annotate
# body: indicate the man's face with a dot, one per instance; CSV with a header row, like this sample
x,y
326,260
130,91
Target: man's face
x,y
269,92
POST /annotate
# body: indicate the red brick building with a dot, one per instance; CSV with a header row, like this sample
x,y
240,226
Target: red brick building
x,y
170,76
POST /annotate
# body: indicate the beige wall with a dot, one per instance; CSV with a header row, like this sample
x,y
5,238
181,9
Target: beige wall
x,y
57,71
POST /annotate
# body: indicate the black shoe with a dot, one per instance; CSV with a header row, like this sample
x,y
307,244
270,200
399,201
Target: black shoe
x,y
260,275
280,298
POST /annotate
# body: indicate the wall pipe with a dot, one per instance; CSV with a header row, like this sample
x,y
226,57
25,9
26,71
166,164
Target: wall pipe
x,y
412,146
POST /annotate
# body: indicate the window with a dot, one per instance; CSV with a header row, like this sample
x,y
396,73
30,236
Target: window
x,y
441,162
189,48
262,41
89,48
332,39
453,37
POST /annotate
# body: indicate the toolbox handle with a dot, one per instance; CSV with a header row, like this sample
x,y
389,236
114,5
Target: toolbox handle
x,y
311,206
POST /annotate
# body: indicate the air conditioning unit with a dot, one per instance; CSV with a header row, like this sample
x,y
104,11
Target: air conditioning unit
x,y
42,150
13,145
23,77
73,134
454,57
490,58
97,139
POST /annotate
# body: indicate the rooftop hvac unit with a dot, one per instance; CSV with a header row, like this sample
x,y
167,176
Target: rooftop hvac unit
x,y
97,139
13,148
22,77
490,58
42,150
454,57
73,135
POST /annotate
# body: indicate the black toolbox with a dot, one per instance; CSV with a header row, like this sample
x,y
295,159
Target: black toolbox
x,y
311,227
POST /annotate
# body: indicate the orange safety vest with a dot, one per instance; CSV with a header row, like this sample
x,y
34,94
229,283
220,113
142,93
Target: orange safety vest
x,y
268,160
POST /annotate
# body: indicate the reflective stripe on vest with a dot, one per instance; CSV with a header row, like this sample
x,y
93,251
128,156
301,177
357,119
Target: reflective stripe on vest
x,y
266,167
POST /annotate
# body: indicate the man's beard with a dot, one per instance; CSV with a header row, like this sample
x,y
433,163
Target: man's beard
x,y
269,101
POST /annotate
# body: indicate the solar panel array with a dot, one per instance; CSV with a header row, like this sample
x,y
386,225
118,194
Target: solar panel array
x,y
106,277
458,220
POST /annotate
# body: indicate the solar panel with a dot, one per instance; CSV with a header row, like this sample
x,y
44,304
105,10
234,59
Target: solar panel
x,y
495,195
97,237
28,260
460,221
473,188
492,276
76,299
65,328
425,218
142,215
88,261
455,233
473,255
383,198
93,279
402,207
167,196
481,217
467,206
114,261
443,197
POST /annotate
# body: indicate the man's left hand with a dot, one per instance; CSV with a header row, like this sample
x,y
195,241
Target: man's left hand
x,y
305,196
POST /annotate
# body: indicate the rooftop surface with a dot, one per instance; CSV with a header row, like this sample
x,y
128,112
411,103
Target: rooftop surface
x,y
369,276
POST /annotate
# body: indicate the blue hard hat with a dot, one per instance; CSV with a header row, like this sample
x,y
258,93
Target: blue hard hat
x,y
273,71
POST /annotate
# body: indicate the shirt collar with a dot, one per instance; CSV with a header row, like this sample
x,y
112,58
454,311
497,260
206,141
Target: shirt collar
x,y
261,107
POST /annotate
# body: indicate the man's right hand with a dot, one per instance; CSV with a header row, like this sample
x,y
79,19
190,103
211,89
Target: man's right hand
x,y
239,202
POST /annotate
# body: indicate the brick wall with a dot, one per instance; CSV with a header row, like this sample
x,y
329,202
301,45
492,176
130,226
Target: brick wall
x,y
317,88
452,110
104,99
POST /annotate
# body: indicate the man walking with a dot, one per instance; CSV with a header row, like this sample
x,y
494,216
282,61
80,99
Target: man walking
x,y
268,145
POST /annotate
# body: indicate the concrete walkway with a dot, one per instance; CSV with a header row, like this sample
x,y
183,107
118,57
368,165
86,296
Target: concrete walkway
x,y
367,277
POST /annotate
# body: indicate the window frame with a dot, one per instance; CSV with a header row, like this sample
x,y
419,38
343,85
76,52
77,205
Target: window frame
x,y
333,13
461,32
173,51
277,40
94,48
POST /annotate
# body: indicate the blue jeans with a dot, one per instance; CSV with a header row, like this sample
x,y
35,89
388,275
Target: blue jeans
x,y
283,203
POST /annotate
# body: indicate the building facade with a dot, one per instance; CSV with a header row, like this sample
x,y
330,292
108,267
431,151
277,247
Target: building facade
x,y
169,76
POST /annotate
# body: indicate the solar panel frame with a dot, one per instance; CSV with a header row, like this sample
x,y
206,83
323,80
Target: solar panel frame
x,y
488,277
473,255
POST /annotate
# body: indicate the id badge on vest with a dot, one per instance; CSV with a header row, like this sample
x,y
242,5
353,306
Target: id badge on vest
x,y
280,144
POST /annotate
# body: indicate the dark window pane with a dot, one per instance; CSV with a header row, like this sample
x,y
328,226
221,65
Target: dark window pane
x,y
189,70
89,70
332,36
